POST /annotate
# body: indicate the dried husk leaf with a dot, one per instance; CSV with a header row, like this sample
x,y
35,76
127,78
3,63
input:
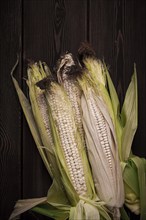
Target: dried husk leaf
x,y
129,117
25,205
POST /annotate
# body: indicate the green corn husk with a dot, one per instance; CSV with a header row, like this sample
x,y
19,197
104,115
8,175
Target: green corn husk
x,y
30,119
116,109
134,169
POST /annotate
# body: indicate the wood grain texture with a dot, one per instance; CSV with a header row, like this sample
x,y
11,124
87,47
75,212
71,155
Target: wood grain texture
x,y
10,113
75,27
118,33
135,51
53,27
43,30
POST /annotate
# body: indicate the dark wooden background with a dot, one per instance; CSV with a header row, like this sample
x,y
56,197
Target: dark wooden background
x,y
42,30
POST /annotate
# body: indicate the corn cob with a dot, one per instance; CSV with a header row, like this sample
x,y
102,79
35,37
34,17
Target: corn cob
x,y
100,138
102,152
66,71
72,152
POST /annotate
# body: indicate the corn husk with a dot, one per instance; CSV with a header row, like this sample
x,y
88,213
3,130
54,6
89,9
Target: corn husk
x,y
109,185
30,119
133,166
106,171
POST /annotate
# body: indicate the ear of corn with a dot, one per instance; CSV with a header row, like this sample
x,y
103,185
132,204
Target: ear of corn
x,y
40,112
102,150
99,126
30,119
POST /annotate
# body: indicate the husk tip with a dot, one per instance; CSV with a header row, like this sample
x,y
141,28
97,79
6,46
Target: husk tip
x,y
85,50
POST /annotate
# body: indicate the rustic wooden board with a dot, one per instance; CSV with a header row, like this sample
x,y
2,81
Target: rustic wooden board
x,y
10,112
43,30
135,51
117,31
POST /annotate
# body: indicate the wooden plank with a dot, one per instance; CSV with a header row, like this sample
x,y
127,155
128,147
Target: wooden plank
x,y
10,113
117,31
101,20
52,27
75,26
135,51
49,29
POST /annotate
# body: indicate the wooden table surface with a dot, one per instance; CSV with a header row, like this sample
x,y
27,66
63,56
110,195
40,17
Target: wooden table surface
x,y
42,30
